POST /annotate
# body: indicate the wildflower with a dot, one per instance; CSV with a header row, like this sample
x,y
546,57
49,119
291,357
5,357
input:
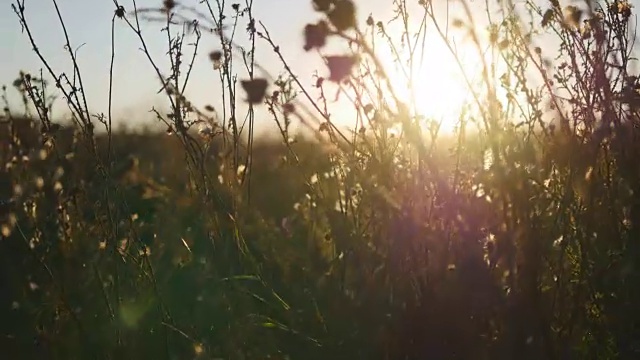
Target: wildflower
x,y
624,9
572,15
216,59
241,169
145,251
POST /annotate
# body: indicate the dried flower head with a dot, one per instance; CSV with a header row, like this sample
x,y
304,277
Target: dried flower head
x,y
315,35
340,66
168,5
343,15
255,89
120,12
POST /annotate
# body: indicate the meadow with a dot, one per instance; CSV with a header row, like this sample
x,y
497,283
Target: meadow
x,y
511,232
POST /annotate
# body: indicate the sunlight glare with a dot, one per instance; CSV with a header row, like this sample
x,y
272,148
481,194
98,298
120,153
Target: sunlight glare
x,y
440,92
439,87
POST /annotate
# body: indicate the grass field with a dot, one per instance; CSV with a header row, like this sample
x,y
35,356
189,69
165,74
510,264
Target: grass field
x,y
511,231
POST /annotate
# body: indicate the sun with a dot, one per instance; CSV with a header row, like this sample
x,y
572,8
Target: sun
x,y
438,90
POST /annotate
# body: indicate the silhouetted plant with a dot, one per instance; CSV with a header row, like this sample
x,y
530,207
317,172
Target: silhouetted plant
x,y
385,239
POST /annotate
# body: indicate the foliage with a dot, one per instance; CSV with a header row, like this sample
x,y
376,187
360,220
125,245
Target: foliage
x,y
518,239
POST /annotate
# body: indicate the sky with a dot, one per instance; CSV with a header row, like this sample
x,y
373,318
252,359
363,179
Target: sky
x,y
88,23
